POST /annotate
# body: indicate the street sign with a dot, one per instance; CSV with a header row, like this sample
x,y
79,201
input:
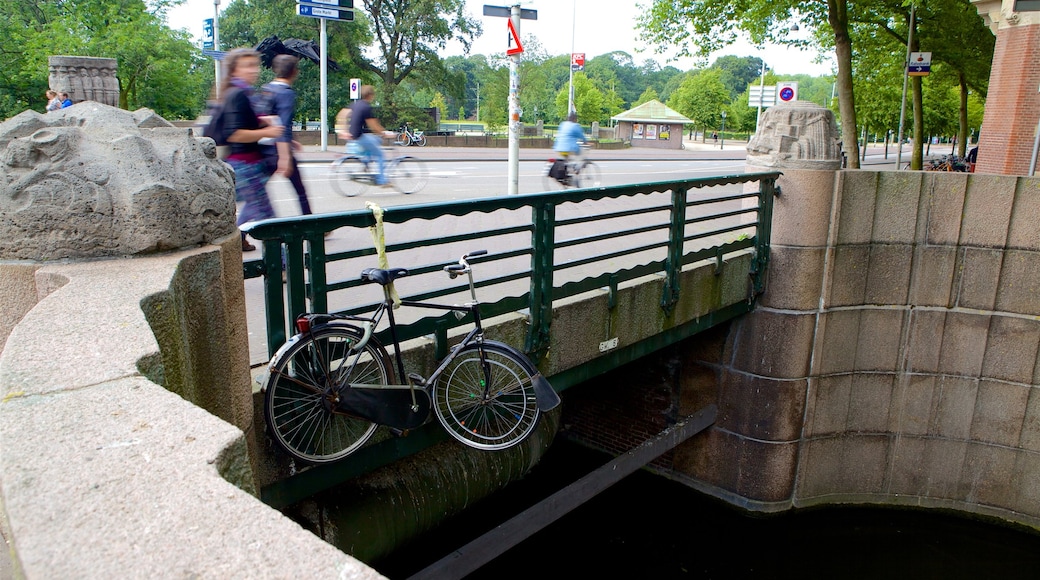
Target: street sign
x,y
216,54
920,64
577,61
787,92
514,46
355,89
326,13
503,12
207,34
759,96
329,3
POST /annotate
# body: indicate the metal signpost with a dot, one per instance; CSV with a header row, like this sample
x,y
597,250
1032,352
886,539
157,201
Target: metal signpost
x,y
325,10
513,49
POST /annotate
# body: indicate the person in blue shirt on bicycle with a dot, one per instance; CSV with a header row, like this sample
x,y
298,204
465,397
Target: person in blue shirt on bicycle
x,y
367,131
569,137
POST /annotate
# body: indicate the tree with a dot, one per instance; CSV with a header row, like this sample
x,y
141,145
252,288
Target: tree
x,y
702,98
408,35
648,95
158,67
588,100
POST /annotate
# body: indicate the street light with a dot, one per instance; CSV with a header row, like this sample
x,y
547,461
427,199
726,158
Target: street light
x,y
761,94
722,138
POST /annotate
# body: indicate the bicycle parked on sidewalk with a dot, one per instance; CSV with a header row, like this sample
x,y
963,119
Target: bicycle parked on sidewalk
x,y
571,171
406,137
352,173
331,385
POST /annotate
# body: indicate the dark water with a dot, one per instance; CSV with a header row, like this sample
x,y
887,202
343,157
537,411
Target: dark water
x,y
648,527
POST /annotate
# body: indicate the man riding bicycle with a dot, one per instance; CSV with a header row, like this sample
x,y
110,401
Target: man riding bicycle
x,y
569,138
366,130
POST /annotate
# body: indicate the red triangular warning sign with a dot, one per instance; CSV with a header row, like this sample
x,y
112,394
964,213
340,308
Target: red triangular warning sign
x,y
514,40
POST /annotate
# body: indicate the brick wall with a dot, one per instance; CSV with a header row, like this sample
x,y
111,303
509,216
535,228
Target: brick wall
x,y
1013,103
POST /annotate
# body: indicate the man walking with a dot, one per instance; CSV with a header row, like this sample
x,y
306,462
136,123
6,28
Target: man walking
x,y
281,101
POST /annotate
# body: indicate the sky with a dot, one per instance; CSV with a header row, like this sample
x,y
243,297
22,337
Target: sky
x,y
593,27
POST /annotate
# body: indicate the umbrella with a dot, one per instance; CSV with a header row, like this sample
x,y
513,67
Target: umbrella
x,y
271,47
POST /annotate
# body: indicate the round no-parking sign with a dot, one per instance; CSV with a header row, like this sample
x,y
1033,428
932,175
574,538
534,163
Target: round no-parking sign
x,y
787,94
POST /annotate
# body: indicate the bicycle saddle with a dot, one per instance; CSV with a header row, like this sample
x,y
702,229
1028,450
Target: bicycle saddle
x,y
383,277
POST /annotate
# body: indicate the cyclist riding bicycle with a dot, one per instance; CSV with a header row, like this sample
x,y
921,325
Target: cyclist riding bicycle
x,y
568,142
366,129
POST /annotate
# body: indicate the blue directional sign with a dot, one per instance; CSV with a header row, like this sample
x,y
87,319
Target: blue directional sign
x,y
326,13
207,34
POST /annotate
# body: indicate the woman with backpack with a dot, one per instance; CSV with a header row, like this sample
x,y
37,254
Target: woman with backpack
x,y
242,130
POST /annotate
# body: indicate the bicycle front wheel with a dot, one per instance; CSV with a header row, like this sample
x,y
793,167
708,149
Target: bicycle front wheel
x,y
348,175
408,174
587,175
402,139
304,384
421,141
487,406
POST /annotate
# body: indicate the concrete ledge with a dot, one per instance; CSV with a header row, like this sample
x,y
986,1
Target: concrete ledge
x,y
105,474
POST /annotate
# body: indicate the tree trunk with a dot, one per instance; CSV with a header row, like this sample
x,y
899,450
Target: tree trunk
x,y
837,15
962,126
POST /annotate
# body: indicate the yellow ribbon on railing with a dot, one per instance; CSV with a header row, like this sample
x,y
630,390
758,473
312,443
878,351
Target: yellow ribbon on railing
x,y
379,239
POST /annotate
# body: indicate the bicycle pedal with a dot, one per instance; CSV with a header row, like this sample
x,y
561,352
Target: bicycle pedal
x,y
399,432
416,379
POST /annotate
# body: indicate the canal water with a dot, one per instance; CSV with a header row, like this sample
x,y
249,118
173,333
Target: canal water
x,y
647,527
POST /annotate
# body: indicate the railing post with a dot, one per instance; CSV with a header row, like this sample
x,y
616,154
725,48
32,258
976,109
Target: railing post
x,y
318,289
274,295
673,264
766,191
543,245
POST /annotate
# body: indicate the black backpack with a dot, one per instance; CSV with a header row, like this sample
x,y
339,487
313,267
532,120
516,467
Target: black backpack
x,y
214,129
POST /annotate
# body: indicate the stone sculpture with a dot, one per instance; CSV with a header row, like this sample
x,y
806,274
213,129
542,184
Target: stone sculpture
x,y
94,181
85,78
799,135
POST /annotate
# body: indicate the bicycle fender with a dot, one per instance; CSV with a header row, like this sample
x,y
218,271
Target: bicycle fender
x,y
546,396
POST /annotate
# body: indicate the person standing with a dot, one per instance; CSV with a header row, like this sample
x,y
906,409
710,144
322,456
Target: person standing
x,y
53,102
243,131
65,100
367,130
281,100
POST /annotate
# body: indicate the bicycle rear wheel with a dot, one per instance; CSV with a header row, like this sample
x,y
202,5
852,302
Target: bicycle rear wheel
x,y
402,139
421,141
301,393
509,412
348,175
407,174
587,175
550,183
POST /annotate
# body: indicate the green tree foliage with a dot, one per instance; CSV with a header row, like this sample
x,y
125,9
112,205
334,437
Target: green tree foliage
x,y
159,68
738,72
588,100
702,97
648,95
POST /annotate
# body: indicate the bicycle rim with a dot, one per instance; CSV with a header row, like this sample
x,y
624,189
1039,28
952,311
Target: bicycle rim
x,y
421,141
501,420
588,175
408,175
299,402
348,176
402,140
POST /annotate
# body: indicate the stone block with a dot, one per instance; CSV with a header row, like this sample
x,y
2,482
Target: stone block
x,y
927,467
1030,440
1000,410
963,335
802,213
837,340
916,405
761,408
1011,349
898,201
944,199
858,195
987,210
925,347
844,465
987,477
17,295
767,470
1019,288
978,277
829,405
955,410
932,276
774,344
698,387
880,340
888,276
870,403
794,278
1026,492
848,278
1025,215
711,457
579,324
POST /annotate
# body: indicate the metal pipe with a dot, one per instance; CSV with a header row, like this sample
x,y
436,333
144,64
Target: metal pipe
x,y
906,79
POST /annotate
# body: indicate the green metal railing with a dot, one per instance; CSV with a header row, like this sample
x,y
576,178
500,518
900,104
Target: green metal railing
x,y
542,247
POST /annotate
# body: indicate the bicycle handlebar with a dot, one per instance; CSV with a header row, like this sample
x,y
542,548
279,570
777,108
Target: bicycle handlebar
x,y
463,266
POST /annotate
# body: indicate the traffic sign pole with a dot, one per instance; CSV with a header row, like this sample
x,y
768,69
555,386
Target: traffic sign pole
x,y
514,105
324,39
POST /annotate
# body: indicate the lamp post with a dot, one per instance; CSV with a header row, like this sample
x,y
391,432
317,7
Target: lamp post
x,y
216,46
722,137
761,94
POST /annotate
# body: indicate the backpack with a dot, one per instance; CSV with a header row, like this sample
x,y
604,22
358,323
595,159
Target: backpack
x,y
214,128
558,169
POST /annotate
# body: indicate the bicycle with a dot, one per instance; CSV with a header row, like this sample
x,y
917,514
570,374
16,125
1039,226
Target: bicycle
x,y
580,172
331,385
352,174
406,137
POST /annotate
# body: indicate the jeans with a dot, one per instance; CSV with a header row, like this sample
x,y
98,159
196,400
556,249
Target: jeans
x,y
372,145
